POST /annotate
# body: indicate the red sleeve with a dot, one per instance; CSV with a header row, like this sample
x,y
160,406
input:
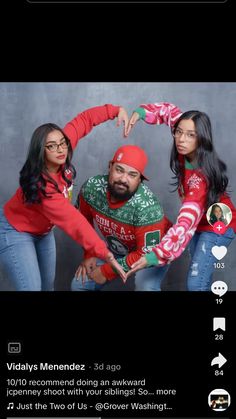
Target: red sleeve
x,y
145,235
85,210
159,113
60,212
83,123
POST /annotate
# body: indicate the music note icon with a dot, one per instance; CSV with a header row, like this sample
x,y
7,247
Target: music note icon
x,y
10,406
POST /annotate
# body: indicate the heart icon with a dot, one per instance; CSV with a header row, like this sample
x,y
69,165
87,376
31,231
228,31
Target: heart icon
x,y
219,251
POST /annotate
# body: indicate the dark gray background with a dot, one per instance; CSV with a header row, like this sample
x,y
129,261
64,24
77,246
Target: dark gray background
x,y
24,106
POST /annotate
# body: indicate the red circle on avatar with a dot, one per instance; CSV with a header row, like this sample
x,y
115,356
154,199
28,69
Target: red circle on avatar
x,y
219,227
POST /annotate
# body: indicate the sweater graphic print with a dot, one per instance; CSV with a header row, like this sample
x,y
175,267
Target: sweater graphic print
x,y
131,228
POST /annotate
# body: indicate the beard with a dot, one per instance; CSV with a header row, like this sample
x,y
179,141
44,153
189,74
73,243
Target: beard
x,y
120,195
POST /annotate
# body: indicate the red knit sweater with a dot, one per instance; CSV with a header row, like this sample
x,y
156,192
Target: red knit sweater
x,y
193,193
57,210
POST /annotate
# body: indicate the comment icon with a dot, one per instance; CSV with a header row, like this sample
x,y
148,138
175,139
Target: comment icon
x,y
219,288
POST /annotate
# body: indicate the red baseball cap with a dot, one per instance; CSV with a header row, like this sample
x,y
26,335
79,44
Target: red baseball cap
x,y
133,156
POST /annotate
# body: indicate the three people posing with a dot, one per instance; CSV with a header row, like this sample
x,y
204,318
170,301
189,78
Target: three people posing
x,y
123,207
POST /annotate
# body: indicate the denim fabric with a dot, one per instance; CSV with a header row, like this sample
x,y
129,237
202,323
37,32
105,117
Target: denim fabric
x,y
26,260
148,279
202,264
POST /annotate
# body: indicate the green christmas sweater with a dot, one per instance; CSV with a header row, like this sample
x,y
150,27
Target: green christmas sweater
x,y
131,228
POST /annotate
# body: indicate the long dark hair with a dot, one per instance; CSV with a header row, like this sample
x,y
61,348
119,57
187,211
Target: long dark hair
x,y
208,161
213,217
34,174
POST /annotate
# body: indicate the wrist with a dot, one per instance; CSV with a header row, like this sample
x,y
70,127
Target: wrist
x,y
151,259
141,112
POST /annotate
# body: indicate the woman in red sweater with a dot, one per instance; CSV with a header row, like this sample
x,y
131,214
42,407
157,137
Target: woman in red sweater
x,y
27,244
201,181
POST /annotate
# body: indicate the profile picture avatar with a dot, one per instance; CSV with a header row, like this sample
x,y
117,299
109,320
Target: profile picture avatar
x,y
219,212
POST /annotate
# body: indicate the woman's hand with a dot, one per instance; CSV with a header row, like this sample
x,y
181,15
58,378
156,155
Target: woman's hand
x,y
140,264
123,118
134,118
119,270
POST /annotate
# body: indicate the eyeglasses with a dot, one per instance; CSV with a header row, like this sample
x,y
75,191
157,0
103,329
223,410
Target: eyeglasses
x,y
190,135
55,147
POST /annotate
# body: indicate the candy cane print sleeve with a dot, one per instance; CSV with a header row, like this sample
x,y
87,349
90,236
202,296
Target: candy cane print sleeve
x,y
159,113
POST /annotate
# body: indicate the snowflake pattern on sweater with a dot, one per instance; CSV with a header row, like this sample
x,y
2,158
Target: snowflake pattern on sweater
x,y
194,181
142,209
131,228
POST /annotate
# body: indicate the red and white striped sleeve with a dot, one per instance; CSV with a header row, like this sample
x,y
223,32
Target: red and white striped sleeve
x,y
179,235
159,113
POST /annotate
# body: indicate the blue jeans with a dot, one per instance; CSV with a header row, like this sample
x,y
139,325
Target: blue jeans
x,y
202,263
26,260
148,279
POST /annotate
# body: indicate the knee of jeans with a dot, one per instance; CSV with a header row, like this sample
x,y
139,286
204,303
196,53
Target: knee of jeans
x,y
78,285
147,284
139,284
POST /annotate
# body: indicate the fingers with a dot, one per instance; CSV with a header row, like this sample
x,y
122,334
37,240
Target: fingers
x,y
84,275
113,262
81,274
134,268
124,279
128,128
120,116
129,273
140,264
134,118
135,265
123,118
119,270
126,123
110,257
78,272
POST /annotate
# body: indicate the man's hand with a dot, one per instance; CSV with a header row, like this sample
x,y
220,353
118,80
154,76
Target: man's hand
x,y
123,117
97,276
140,264
134,118
85,269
